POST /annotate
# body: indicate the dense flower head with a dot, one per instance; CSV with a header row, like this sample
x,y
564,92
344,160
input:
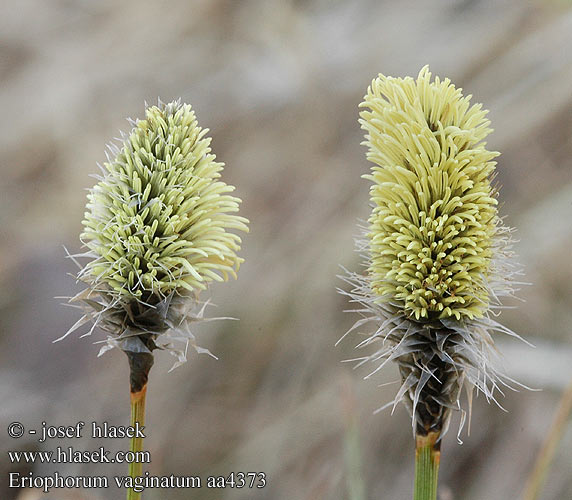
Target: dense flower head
x,y
438,259
158,219
434,211
158,229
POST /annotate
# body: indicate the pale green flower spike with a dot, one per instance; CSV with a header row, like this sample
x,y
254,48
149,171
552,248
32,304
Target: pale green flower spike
x,y
434,217
438,259
158,219
157,228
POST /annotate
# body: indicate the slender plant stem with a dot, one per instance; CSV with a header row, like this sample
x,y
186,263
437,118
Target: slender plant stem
x,y
549,447
427,458
136,444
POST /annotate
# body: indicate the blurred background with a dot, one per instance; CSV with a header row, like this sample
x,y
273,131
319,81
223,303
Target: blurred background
x,y
278,83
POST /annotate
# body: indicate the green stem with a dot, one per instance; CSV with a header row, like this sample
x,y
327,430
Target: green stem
x,y
136,443
427,458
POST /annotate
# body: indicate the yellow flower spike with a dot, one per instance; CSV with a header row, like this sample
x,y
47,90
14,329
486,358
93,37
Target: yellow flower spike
x,y
437,255
426,143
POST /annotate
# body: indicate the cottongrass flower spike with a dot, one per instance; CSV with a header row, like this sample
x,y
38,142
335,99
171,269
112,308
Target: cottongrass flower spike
x,y
158,229
437,255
